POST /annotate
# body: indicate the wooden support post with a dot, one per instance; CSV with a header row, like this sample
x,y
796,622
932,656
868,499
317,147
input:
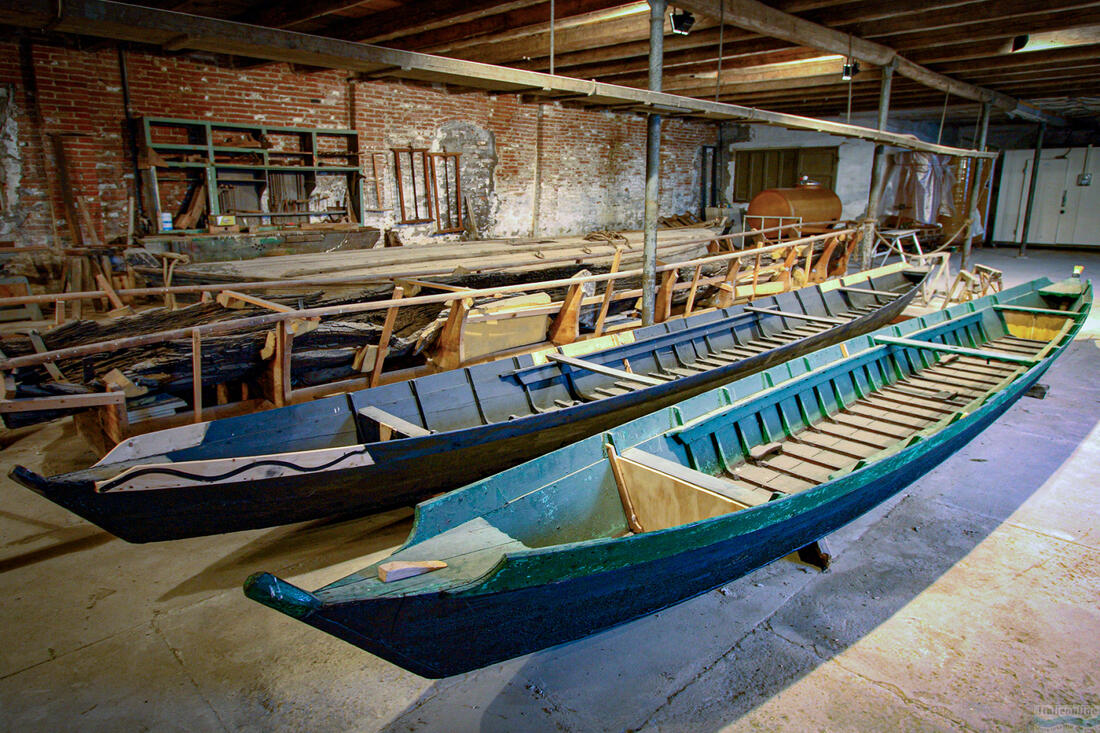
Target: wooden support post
x,y
785,274
809,266
114,419
608,291
566,325
821,270
690,304
448,347
58,312
384,340
196,374
727,290
284,342
663,307
755,274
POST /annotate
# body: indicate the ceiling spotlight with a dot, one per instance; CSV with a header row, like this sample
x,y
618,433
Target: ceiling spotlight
x,y
849,70
682,21
1019,42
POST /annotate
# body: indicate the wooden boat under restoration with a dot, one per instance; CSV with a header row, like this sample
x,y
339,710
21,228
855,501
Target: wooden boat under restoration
x,y
688,498
397,444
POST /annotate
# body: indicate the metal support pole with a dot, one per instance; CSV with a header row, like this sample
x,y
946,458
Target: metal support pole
x,y
652,163
1031,188
551,37
878,170
976,164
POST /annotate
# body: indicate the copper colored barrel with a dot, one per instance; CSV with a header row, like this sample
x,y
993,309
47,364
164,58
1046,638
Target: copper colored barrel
x,y
810,203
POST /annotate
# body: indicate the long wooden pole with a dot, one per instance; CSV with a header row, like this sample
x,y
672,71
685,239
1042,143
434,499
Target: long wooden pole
x,y
976,164
222,327
878,171
1031,188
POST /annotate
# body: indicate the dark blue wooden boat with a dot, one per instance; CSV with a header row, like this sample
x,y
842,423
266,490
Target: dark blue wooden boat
x,y
688,498
332,457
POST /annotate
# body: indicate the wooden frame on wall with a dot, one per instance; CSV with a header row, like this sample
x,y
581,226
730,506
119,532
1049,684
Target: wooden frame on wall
x,y
446,179
419,200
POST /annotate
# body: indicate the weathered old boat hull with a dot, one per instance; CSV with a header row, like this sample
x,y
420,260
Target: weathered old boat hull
x,y
404,471
549,586
490,628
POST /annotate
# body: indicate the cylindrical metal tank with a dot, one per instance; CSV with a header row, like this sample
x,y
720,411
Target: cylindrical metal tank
x,y
775,206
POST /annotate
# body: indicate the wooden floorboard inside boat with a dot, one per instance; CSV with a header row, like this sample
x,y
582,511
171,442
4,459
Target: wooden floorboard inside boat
x,y
883,418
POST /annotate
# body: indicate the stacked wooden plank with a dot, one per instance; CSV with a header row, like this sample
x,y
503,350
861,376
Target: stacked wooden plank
x,y
532,255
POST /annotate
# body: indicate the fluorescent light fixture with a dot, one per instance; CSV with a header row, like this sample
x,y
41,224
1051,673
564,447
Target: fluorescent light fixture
x,y
682,21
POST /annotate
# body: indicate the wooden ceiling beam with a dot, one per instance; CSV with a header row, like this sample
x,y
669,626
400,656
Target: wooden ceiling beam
x,y
758,75
1064,71
565,41
960,51
629,50
1000,12
872,10
514,24
805,82
706,62
1028,59
759,18
417,17
985,31
289,13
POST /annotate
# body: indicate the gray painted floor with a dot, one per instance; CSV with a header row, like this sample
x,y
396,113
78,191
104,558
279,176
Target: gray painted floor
x,y
968,602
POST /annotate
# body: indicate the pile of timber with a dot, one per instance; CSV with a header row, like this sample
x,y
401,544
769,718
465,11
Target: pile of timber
x,y
443,258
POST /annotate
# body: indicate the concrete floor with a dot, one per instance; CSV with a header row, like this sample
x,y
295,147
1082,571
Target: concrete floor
x,y
968,602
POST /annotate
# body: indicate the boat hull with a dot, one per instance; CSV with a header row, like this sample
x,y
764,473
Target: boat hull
x,y
484,628
404,471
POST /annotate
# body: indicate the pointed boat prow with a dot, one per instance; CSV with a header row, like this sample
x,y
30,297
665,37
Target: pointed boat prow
x,y
29,479
276,593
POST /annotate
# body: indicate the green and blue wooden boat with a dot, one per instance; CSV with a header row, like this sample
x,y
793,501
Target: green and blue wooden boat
x,y
690,497
397,444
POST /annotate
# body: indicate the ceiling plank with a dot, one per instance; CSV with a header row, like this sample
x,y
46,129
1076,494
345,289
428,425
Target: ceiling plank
x,y
755,16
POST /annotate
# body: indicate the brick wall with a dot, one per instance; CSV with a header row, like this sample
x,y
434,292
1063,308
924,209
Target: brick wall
x,y
591,163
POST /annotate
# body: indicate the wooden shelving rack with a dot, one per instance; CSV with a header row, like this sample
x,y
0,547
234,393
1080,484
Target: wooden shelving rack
x,y
232,158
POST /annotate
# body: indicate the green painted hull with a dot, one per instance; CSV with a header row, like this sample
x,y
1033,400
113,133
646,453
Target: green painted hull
x,y
536,553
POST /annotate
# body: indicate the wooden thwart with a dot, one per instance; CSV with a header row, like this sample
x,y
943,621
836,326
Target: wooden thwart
x,y
603,369
788,314
960,350
392,422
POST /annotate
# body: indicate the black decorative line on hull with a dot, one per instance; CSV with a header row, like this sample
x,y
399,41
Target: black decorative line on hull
x,y
228,474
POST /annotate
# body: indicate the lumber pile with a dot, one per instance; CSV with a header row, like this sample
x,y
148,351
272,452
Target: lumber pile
x,y
529,255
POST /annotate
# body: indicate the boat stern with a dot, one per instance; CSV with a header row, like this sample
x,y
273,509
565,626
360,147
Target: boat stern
x,y
280,595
